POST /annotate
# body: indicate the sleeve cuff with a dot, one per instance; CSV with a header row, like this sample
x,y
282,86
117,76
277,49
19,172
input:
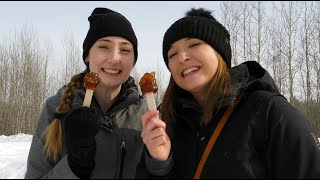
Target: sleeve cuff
x,y
156,167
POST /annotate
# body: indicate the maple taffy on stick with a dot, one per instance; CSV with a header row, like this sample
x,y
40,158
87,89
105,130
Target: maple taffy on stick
x,y
148,85
90,82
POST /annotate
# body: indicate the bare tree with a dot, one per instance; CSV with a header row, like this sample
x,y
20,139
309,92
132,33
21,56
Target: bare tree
x,y
230,16
72,57
245,24
258,9
305,54
315,65
24,80
289,15
316,49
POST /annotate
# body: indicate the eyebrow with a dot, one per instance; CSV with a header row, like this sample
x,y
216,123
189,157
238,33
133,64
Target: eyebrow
x,y
123,42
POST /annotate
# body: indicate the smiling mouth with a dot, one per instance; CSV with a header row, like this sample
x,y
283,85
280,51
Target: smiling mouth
x,y
111,71
190,70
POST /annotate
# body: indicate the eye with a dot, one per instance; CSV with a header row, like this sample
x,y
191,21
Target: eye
x,y
125,50
172,55
103,47
194,44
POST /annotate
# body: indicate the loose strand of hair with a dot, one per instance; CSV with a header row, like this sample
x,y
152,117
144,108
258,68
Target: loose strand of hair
x,y
167,108
218,88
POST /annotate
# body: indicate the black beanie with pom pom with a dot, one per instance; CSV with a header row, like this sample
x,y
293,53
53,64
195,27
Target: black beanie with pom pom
x,y
199,23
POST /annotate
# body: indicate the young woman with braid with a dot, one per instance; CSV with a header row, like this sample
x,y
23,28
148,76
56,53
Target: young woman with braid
x,y
102,141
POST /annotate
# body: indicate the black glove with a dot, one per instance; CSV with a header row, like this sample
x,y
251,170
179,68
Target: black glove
x,y
80,129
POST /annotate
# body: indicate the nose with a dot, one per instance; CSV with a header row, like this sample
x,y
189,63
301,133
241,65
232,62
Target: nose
x,y
183,56
115,57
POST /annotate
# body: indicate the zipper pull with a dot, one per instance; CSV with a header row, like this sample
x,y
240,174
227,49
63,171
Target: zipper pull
x,y
123,145
122,157
109,123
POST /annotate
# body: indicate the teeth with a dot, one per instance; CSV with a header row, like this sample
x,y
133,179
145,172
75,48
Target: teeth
x,y
190,70
111,71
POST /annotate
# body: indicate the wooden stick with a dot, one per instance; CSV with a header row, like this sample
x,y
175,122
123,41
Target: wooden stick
x,y
87,98
150,101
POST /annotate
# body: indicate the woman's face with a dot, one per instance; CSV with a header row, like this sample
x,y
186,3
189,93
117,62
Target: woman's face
x,y
112,58
192,63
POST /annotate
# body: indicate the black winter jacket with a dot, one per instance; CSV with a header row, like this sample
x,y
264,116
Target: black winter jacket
x,y
265,137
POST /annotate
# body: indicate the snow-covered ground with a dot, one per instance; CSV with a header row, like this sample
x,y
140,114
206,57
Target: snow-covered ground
x,y
13,155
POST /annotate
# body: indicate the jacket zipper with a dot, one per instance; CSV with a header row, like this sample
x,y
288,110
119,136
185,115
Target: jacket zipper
x,y
123,155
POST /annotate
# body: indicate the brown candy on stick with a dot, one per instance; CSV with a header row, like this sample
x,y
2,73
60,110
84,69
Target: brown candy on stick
x,y
149,87
90,82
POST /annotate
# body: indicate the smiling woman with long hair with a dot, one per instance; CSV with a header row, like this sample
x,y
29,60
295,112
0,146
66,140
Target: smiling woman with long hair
x,y
222,122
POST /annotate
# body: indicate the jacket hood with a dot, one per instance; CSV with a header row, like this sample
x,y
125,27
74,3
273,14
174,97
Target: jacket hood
x,y
250,76
247,78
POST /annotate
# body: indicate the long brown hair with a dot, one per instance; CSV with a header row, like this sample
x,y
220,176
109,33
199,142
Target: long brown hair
x,y
53,133
218,88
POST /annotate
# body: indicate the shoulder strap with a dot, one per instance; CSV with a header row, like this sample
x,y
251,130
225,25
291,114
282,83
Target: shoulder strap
x,y
214,137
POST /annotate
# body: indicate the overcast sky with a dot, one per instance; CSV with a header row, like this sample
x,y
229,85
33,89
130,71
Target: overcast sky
x,y
52,20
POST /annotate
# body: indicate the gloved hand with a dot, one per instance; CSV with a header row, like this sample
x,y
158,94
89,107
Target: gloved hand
x,y
80,129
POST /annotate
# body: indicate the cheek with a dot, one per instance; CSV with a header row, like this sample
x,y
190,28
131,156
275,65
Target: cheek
x,y
214,66
172,67
94,64
96,57
210,62
175,71
175,76
128,65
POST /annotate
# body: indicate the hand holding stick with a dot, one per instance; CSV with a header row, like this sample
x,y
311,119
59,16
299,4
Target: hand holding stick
x,y
158,147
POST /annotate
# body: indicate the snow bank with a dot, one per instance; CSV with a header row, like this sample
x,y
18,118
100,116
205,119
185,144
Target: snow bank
x,y
13,155
16,138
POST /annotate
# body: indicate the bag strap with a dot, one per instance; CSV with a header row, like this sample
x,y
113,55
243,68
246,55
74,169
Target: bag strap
x,y
214,137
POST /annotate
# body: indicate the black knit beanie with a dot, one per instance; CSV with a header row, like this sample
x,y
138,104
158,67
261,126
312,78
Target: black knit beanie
x,y
105,22
199,23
